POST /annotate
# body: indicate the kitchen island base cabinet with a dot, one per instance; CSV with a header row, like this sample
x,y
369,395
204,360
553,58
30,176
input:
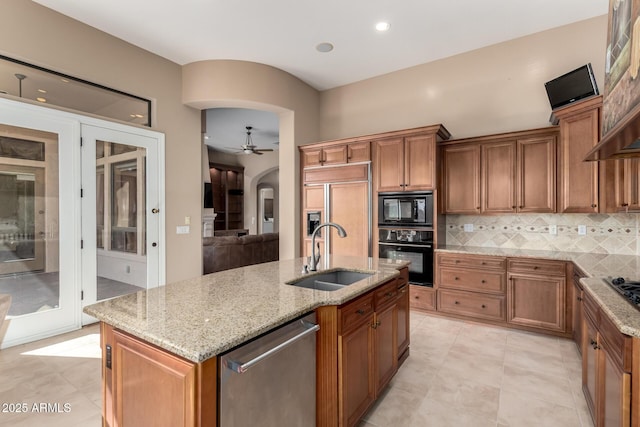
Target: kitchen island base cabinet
x,y
145,385
362,335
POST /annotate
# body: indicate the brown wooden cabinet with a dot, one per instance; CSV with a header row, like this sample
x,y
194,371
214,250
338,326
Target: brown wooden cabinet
x,y
576,308
536,295
506,173
227,188
405,163
422,298
363,336
471,286
461,179
335,154
132,367
606,367
627,185
579,180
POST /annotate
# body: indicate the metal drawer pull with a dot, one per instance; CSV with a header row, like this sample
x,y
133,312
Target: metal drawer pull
x,y
456,302
239,368
594,344
483,306
360,311
483,281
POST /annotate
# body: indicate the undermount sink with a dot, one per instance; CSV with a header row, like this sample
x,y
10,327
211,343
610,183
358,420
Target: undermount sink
x,y
330,281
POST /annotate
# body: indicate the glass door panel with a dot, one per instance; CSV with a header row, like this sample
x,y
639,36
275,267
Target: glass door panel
x,y
120,205
120,218
38,183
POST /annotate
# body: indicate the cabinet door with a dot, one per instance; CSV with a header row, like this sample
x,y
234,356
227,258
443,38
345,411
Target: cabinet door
x,y
359,152
536,302
403,320
356,377
349,208
389,164
461,179
498,173
627,184
578,179
536,175
334,155
419,163
312,157
590,356
615,391
386,348
140,368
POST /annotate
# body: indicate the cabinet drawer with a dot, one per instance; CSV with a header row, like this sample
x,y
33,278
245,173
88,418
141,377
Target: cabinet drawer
x,y
591,308
536,266
472,261
481,306
472,280
385,295
422,298
356,312
618,344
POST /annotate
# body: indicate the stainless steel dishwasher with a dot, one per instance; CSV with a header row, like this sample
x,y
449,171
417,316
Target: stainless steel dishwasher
x,y
271,381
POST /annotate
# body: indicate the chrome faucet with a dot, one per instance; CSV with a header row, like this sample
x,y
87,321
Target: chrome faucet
x,y
313,262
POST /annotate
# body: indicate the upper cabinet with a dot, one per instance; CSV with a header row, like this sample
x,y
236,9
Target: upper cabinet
x,y
335,154
506,173
627,184
578,179
406,163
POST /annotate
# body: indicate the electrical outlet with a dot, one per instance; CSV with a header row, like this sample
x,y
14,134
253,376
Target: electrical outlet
x,y
187,220
468,228
582,230
182,229
553,229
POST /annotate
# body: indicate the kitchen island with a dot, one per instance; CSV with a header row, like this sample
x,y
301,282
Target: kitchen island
x,y
159,346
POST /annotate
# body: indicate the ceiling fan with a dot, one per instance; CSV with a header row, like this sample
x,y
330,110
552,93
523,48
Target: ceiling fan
x,y
249,148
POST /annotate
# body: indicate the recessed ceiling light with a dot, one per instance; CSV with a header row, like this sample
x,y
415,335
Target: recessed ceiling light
x,y
41,99
64,80
324,47
382,26
42,91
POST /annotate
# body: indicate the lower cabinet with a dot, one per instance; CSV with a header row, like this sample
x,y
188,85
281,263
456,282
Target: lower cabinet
x,y
422,298
576,308
367,336
524,293
606,368
132,367
536,294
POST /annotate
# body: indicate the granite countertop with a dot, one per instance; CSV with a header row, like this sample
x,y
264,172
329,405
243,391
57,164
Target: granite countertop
x,y
208,315
596,268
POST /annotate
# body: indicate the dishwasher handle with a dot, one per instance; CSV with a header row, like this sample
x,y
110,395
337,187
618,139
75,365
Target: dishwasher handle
x,y
241,368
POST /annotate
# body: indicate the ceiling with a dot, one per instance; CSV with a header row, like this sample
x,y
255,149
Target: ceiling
x,y
285,33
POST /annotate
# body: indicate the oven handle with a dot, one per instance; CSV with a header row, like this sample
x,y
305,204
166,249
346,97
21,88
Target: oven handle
x,y
404,244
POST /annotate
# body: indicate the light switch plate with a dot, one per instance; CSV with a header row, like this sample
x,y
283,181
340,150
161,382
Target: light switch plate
x,y
182,229
553,229
582,230
468,228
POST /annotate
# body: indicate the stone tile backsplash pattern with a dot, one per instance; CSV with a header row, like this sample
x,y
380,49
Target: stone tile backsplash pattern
x,y
606,234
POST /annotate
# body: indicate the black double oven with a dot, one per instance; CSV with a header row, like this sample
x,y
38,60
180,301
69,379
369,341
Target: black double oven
x,y
405,231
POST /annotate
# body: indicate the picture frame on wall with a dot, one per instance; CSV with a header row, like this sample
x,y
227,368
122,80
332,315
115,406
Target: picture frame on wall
x,y
622,67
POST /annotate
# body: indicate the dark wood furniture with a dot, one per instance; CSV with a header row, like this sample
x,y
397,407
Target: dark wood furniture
x,y
227,188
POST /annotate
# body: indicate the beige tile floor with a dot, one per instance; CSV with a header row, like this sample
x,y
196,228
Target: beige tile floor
x,y
459,374
466,374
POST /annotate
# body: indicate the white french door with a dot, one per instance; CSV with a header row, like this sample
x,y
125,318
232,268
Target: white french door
x,y
39,222
78,224
121,212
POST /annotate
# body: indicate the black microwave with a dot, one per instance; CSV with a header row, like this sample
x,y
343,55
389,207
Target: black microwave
x,y
406,209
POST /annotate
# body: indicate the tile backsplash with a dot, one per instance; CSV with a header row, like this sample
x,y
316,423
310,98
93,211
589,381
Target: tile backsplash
x,y
605,233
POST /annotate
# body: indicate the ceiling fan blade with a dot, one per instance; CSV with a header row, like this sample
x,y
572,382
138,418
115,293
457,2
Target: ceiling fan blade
x,y
264,149
257,152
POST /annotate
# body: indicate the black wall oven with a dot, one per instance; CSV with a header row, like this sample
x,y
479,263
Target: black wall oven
x,y
409,244
406,209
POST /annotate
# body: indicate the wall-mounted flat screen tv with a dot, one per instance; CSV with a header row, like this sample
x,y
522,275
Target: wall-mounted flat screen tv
x,y
573,86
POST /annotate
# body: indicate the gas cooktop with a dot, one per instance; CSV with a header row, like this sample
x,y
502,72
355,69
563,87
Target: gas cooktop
x,y
629,290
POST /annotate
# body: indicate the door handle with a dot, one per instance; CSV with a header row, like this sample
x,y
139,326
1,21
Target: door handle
x,y
241,368
155,211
